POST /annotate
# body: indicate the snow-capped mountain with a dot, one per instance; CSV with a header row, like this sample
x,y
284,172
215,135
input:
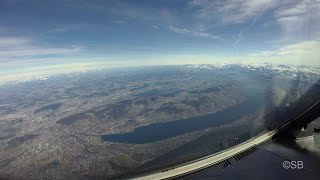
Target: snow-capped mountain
x,y
261,68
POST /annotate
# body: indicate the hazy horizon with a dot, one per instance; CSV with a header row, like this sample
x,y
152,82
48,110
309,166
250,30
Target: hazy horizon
x,y
47,38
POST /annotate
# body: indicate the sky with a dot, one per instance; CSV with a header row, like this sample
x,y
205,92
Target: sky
x,y
42,37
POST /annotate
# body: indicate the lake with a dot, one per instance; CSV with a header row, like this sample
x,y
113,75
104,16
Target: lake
x,y
253,90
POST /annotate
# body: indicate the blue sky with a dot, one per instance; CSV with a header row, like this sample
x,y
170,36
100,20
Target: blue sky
x,y
39,36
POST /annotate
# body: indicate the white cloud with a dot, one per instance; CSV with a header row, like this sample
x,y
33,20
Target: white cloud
x,y
15,48
63,28
37,72
155,27
120,22
293,17
231,11
193,33
240,35
306,52
35,51
299,18
7,42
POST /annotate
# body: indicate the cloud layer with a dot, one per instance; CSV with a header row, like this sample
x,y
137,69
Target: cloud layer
x,y
193,33
127,33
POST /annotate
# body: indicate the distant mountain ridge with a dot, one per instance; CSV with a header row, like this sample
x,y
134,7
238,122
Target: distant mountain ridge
x,y
264,68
